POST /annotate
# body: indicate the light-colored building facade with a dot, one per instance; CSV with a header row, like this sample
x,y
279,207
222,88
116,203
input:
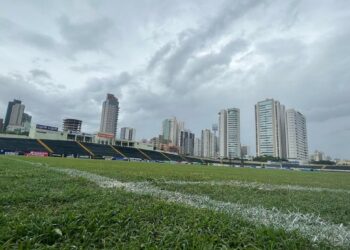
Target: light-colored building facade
x,y
229,133
9,112
109,116
207,139
223,133
270,129
318,156
171,131
47,133
297,142
128,134
16,114
72,125
233,133
197,151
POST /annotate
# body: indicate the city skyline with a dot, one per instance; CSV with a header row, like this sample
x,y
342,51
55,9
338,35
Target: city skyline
x,y
288,134
184,59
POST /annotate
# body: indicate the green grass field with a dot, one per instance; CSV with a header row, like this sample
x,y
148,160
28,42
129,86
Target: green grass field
x,y
71,203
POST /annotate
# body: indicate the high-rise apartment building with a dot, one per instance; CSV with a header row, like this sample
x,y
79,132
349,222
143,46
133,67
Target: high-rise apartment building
x,y
109,116
270,129
171,129
215,128
197,151
207,140
128,134
229,133
9,112
16,115
223,133
186,142
297,143
233,133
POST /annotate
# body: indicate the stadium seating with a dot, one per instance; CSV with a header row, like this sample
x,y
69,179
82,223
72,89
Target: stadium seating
x,y
211,161
20,145
337,168
193,160
131,152
174,157
66,148
155,156
100,150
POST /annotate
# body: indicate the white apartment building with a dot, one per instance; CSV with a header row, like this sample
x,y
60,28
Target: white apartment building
x,y
229,133
16,114
297,142
127,134
171,130
207,140
197,150
223,133
270,129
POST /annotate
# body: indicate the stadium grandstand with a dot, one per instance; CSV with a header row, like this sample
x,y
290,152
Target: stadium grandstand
x,y
64,148
20,146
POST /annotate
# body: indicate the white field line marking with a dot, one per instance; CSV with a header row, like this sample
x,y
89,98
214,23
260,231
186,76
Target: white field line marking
x,y
253,185
309,225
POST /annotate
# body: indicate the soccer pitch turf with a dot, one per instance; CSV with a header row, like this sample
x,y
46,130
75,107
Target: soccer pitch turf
x,y
73,203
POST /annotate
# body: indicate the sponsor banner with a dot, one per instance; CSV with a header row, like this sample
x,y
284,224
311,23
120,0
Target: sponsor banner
x,y
11,153
44,127
105,135
36,153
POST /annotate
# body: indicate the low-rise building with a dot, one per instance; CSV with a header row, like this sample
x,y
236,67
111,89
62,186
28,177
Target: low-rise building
x,y
47,133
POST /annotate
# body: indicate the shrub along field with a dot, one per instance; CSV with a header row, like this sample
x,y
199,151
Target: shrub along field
x,y
74,203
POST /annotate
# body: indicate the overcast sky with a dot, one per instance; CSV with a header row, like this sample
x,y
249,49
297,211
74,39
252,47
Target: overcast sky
x,y
187,59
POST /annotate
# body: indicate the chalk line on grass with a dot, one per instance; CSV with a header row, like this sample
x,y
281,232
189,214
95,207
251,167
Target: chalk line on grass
x,y
309,225
253,185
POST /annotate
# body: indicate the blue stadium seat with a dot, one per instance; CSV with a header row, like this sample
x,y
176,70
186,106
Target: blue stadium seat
x,y
131,152
154,155
66,148
100,150
20,145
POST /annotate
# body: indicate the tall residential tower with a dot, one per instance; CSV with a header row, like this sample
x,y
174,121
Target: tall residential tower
x,y
297,143
171,131
229,133
270,129
109,117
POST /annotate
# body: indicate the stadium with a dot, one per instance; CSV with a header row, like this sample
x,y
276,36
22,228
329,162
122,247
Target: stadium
x,y
174,124
76,149
61,194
